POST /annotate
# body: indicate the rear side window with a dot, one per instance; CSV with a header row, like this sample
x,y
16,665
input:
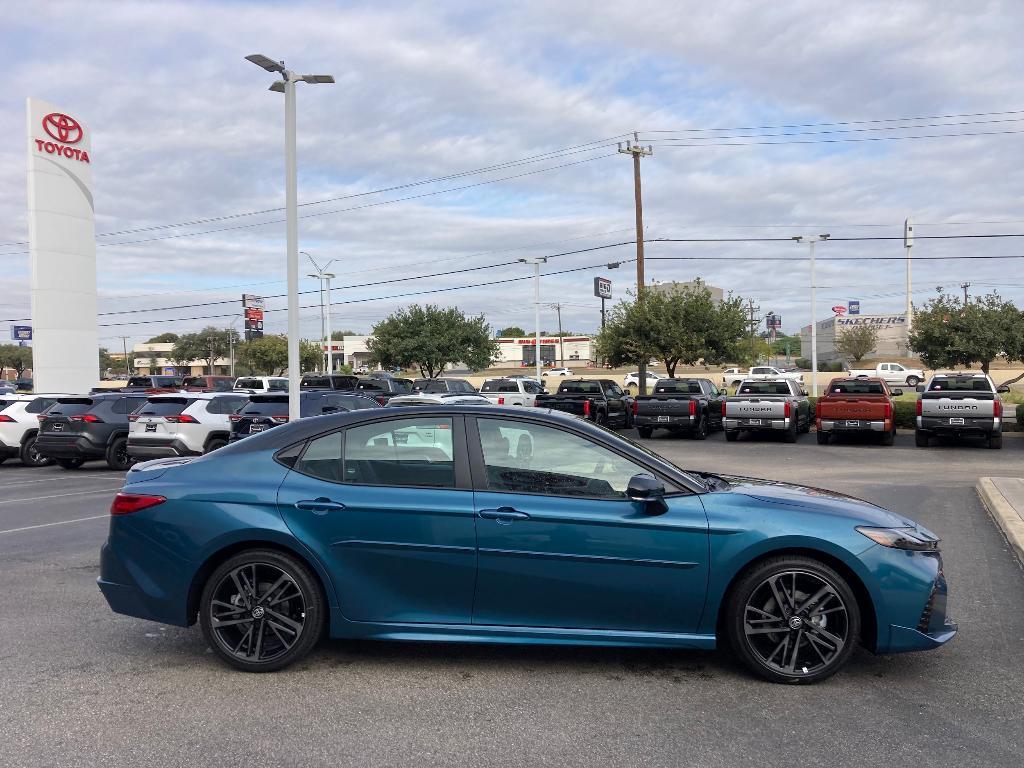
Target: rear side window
x,y
163,407
5,403
193,381
225,405
323,459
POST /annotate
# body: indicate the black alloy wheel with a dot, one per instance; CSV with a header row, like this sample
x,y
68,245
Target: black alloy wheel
x,y
30,455
69,463
793,620
118,457
701,432
261,611
645,432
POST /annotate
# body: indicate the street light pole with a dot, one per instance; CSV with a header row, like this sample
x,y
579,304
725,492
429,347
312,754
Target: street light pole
x,y
811,240
287,86
536,307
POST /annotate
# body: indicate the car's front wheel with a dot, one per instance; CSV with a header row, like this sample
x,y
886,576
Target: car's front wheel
x,y
792,619
261,610
913,381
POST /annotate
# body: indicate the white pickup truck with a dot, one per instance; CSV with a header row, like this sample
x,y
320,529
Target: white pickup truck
x,y
733,376
891,373
955,404
511,391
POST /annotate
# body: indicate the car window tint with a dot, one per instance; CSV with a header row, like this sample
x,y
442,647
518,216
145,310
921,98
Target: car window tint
x,y
356,402
322,458
40,404
71,409
276,386
249,384
415,451
265,408
163,407
519,458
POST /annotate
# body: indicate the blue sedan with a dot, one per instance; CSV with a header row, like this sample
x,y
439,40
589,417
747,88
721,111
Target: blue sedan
x,y
489,524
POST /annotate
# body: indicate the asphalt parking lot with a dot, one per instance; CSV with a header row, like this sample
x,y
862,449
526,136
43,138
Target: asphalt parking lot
x,y
82,686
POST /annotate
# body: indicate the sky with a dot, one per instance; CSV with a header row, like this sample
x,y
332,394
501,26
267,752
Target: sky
x,y
462,137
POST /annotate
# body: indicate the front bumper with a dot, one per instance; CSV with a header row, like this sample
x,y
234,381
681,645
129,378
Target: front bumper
x,y
160,448
857,425
754,425
69,447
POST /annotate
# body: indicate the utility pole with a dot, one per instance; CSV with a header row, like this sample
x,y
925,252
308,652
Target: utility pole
x,y
811,240
965,286
633,148
212,357
124,347
754,323
536,307
561,344
231,349
908,243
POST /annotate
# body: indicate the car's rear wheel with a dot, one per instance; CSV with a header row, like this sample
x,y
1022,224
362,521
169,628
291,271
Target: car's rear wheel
x,y
793,620
888,438
213,445
921,439
701,432
732,435
791,434
644,432
261,611
822,437
117,455
30,455
995,440
69,463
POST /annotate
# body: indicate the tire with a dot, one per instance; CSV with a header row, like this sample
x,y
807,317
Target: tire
x,y
701,432
117,455
888,438
921,438
30,457
732,435
913,381
995,440
820,643
645,432
791,434
213,445
806,429
290,631
3,459
822,437
69,463
601,418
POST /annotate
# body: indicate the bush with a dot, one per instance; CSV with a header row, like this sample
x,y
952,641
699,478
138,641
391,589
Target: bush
x,y
1020,417
833,367
804,363
906,414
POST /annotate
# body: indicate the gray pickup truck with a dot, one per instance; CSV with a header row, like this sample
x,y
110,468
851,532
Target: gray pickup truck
x,y
773,405
956,404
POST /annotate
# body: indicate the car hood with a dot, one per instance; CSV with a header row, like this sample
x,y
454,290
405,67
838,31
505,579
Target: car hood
x,y
818,500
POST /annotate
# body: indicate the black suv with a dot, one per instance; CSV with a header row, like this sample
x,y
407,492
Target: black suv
x,y
79,429
337,381
266,411
148,383
434,386
381,389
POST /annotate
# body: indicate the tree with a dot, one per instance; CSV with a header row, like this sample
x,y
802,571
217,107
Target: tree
x,y
340,335
683,327
948,333
267,355
208,344
857,341
429,338
106,361
311,356
17,357
164,338
512,332
153,365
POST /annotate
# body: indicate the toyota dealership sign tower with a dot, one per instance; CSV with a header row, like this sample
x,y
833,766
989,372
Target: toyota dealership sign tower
x,y
62,245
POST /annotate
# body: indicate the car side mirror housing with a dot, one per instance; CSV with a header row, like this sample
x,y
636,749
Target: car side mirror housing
x,y
1003,390
897,392
919,388
648,490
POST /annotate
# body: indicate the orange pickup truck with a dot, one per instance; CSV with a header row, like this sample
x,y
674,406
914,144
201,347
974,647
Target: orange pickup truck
x,y
857,405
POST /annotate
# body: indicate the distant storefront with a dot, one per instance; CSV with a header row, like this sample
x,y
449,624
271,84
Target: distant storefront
x,y
569,351
892,336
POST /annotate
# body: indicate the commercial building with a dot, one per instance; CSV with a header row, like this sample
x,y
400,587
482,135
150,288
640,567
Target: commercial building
x,y
892,336
568,351
155,359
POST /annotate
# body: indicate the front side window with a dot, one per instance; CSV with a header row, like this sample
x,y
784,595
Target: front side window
x,y
401,452
521,457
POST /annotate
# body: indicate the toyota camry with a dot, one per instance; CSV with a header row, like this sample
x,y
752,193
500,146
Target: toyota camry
x,y
489,524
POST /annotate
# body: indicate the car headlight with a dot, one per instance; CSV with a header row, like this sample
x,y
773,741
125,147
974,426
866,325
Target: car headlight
x,y
900,538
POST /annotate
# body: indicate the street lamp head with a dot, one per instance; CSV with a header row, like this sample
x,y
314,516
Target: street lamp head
x,y
277,87
317,78
266,62
329,275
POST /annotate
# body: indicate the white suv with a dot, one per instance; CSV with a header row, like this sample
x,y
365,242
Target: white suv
x,y
261,384
186,424
633,379
19,426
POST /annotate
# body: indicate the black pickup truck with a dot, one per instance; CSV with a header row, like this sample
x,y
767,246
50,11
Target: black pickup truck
x,y
680,405
599,400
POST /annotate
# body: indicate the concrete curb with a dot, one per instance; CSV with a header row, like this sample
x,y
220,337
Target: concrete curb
x,y
1007,517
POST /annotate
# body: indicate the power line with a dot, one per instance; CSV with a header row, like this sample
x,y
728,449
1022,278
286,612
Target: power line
x,y
677,143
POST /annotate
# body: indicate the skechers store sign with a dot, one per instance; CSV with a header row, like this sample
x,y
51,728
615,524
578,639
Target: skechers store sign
x,y
886,320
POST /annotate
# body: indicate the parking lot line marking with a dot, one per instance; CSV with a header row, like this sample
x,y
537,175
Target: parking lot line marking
x,y
47,525
60,495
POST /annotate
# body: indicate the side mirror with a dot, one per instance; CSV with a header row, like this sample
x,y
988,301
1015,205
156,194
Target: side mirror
x,y
919,388
648,490
897,392
803,393
1003,389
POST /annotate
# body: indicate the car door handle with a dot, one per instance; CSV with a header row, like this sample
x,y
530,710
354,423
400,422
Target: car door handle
x,y
504,515
319,505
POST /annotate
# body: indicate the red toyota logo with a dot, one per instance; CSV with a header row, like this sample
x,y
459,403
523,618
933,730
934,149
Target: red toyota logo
x,y
62,128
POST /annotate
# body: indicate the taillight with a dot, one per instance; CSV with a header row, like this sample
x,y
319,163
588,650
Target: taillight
x,y
381,400
183,419
918,407
279,419
586,408
133,417
127,503
888,410
235,417
88,418
501,401
997,409
788,409
693,407
636,407
537,404
41,418
5,419
723,407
